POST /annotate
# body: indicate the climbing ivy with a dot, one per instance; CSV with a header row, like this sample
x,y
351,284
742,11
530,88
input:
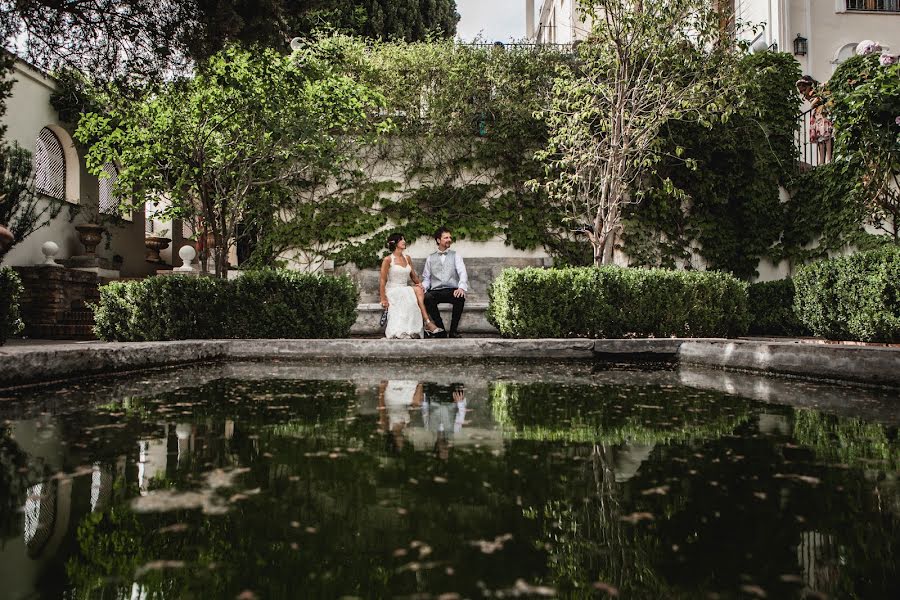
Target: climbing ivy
x,y
459,154
723,201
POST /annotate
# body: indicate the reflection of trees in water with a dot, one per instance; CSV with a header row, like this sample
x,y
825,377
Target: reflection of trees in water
x,y
613,415
596,537
840,557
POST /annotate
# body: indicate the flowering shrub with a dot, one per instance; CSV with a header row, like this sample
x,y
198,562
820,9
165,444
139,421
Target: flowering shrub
x,y
867,47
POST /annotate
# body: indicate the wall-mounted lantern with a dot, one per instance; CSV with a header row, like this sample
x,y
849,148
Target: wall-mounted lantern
x,y
800,45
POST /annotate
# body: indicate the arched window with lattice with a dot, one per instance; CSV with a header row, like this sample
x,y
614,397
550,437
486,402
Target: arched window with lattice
x,y
49,165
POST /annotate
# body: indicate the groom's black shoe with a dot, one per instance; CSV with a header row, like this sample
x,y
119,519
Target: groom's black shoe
x,y
455,334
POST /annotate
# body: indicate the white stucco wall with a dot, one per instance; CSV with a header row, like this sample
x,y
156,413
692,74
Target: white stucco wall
x,y
826,24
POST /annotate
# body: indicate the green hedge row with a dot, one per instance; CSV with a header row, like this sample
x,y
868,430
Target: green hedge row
x,y
772,309
615,302
10,291
259,304
852,298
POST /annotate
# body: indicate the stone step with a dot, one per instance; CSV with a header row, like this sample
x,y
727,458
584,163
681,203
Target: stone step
x,y
473,319
481,272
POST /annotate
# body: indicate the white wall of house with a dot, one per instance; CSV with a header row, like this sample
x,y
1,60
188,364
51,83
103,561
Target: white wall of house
x,y
554,22
831,30
28,112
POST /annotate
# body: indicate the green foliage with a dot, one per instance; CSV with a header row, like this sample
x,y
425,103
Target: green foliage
x,y
464,132
864,103
848,441
771,306
235,141
264,304
10,291
614,302
22,209
548,412
852,298
643,65
716,191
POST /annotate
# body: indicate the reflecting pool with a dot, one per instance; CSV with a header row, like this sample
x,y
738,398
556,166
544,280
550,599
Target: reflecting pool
x,y
289,480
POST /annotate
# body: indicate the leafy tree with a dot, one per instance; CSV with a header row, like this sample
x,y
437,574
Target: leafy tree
x,y
643,65
22,210
134,39
252,127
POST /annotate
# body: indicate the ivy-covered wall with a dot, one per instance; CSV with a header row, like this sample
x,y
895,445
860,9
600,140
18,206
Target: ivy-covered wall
x,y
725,206
460,153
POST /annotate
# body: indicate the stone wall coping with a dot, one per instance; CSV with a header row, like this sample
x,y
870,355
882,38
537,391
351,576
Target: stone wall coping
x,y
24,364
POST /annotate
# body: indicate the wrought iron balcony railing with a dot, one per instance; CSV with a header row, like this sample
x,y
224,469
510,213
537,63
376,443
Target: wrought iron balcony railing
x,y
874,5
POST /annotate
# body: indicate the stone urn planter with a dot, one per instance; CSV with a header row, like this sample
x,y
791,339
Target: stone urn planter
x,y
90,235
154,246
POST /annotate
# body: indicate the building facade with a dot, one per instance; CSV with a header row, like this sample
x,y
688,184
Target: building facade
x,y
555,22
61,177
831,29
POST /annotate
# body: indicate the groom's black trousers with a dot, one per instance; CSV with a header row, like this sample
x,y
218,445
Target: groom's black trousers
x,y
443,296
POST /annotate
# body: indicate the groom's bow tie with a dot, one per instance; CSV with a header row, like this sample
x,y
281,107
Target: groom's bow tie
x,y
443,253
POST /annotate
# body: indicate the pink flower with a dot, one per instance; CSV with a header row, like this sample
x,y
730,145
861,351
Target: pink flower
x,y
886,59
897,121
867,47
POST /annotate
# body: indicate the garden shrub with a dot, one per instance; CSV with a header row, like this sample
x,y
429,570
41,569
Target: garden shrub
x,y
260,304
853,297
615,302
10,291
771,306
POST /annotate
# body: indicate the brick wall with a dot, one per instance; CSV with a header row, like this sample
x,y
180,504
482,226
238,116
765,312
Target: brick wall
x,y
53,305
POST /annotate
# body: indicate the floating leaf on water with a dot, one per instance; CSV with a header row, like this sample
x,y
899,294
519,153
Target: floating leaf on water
x,y
754,590
660,491
802,478
609,590
400,552
439,479
176,528
790,578
636,517
158,565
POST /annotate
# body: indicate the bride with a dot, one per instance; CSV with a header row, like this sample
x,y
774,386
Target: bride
x,y
405,304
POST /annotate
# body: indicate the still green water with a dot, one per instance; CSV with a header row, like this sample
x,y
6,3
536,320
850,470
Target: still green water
x,y
465,481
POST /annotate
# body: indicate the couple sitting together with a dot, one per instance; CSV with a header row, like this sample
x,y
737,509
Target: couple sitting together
x,y
413,310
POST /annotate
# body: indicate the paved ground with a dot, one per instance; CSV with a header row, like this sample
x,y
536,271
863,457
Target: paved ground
x,y
39,362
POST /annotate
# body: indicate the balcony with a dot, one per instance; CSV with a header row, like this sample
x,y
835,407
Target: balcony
x,y
892,6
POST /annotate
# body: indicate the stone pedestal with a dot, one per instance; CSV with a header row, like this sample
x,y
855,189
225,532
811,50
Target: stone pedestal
x,y
99,266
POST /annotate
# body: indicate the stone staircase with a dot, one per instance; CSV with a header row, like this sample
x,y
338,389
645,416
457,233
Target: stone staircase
x,y
481,271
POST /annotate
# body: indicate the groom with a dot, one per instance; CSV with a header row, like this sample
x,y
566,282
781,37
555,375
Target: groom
x,y
445,280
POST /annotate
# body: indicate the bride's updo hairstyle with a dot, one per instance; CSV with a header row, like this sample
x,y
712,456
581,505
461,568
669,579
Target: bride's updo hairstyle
x,y
393,240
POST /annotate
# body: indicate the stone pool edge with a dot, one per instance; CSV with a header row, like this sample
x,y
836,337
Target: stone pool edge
x,y
880,366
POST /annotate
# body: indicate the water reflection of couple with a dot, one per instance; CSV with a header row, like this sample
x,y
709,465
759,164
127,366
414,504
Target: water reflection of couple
x,y
413,310
443,411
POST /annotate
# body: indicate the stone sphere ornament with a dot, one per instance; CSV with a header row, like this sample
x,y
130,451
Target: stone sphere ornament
x,y
187,254
50,250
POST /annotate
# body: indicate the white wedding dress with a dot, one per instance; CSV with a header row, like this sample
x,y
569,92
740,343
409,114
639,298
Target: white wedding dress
x,y
404,317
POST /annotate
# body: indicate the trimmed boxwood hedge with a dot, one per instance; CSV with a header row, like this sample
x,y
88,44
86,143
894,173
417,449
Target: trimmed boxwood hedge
x,y
855,297
772,309
616,302
10,291
259,304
